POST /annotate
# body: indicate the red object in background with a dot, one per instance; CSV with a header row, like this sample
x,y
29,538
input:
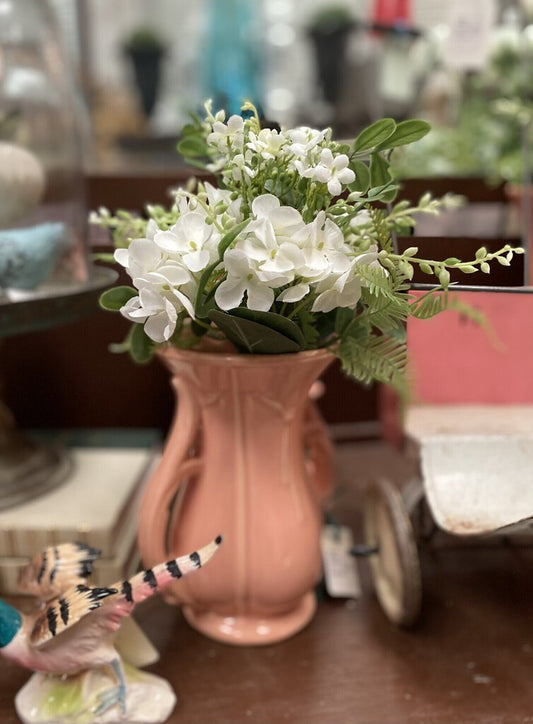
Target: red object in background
x,y
392,12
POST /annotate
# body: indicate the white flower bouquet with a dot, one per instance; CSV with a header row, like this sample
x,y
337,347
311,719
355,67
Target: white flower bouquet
x,y
292,248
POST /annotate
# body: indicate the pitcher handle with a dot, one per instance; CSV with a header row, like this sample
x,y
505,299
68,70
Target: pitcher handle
x,y
155,509
320,462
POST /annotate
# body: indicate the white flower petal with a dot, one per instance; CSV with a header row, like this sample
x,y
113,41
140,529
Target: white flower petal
x,y
230,293
294,293
196,261
260,297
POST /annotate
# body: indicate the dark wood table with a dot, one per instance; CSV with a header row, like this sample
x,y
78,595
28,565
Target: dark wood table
x,y
468,661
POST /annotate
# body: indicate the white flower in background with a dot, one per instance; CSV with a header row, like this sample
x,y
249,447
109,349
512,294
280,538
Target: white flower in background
x,y
303,140
331,170
268,143
227,136
240,167
190,240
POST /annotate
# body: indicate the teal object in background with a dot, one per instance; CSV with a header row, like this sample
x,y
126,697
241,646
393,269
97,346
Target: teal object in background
x,y
29,256
233,56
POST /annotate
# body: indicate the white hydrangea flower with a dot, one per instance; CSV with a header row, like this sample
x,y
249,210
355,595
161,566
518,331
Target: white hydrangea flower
x,y
243,277
160,299
191,240
166,287
266,257
274,223
156,311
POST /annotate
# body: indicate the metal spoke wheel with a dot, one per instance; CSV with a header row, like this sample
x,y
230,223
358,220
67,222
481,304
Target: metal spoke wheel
x,y
395,564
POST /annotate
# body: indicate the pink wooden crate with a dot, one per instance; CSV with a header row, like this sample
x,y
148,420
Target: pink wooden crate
x,y
453,360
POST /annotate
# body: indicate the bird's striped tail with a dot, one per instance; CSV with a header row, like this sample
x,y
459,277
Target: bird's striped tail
x,y
147,582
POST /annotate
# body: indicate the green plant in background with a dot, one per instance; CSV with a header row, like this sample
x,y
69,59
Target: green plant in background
x,y
144,39
493,129
292,250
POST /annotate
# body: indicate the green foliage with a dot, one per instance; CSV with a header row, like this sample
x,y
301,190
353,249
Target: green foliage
x,y
115,298
374,135
494,117
144,38
254,337
374,358
141,347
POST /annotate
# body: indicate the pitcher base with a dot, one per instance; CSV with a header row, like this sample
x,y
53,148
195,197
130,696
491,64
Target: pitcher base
x,y
249,629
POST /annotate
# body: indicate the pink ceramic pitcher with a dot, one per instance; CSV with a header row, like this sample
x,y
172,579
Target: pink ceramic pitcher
x,y
247,457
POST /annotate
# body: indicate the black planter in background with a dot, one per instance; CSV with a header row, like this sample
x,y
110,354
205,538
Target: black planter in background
x,y
147,64
329,32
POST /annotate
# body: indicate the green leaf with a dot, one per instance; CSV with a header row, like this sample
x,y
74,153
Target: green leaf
x,y
374,134
362,176
115,298
253,337
192,145
406,132
379,171
275,321
343,318
141,346
452,261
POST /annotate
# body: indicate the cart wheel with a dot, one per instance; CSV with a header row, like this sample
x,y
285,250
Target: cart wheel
x,y
395,565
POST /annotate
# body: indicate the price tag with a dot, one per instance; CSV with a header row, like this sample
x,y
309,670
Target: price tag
x,y
470,26
340,567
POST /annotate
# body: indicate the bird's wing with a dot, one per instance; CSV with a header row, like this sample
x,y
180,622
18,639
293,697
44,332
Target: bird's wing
x,y
56,569
107,606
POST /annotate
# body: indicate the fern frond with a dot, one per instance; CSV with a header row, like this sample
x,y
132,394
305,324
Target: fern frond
x,y
373,357
381,231
376,281
386,313
430,304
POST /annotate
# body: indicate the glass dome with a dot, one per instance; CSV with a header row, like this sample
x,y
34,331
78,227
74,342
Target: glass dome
x,y
43,215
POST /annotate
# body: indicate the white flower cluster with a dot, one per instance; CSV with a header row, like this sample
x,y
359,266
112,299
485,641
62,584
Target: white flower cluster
x,y
284,254
276,257
303,150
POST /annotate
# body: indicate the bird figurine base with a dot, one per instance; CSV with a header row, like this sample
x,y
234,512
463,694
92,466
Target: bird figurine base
x,y
53,699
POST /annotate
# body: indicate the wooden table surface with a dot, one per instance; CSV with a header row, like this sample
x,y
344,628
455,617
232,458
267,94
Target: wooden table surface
x,y
468,661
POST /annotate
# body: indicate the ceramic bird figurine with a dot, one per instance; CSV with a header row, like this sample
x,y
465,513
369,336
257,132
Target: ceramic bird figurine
x,y
73,630
29,255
